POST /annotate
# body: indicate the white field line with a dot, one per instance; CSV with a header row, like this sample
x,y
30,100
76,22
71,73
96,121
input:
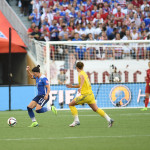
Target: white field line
x,y
69,138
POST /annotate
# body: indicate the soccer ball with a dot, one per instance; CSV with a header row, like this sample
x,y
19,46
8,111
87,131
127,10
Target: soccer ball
x,y
116,79
12,121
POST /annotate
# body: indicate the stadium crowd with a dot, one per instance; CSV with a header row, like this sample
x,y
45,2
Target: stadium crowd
x,y
80,20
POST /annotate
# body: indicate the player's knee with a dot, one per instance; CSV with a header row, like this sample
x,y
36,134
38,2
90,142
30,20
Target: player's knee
x,y
38,110
94,109
28,108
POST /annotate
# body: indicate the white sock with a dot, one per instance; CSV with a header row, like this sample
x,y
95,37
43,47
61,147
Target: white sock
x,y
107,117
49,108
33,119
76,118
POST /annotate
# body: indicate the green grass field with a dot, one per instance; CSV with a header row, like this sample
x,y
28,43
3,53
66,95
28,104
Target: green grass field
x,y
131,130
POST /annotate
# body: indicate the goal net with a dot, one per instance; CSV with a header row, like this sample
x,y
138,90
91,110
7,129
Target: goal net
x,y
116,69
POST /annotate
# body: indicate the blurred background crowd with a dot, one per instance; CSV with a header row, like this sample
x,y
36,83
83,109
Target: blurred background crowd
x,y
80,20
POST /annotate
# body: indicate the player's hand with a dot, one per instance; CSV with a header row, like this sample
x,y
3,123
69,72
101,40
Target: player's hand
x,y
28,68
69,85
46,97
79,90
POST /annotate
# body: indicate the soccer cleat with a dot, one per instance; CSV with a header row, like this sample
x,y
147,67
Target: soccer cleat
x,y
54,110
75,123
144,109
110,123
34,124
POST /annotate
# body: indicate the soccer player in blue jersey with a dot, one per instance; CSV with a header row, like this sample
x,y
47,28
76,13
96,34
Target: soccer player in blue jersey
x,y
43,95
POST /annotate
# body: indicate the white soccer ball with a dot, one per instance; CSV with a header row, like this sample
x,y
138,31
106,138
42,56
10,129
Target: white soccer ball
x,y
116,79
12,121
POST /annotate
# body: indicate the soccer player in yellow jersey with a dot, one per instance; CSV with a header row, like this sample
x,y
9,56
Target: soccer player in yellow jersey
x,y
87,96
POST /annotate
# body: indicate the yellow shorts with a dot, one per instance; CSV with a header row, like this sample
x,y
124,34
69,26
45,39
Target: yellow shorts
x,y
87,98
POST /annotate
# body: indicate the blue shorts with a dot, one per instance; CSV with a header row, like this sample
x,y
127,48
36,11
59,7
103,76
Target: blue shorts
x,y
40,100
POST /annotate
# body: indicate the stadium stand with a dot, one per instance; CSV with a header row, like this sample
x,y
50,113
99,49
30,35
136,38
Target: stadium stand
x,y
74,20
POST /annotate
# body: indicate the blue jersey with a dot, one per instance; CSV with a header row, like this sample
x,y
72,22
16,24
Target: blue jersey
x,y
41,83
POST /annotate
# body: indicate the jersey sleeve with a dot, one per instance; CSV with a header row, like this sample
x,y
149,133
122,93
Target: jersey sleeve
x,y
45,81
34,77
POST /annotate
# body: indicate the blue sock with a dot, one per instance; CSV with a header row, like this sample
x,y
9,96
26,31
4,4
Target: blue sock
x,y
31,114
42,110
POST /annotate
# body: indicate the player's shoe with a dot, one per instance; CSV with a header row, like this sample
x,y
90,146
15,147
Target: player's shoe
x,y
75,123
110,123
144,109
54,110
34,124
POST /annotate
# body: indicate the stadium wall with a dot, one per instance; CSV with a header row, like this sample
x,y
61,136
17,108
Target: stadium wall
x,y
106,95
98,71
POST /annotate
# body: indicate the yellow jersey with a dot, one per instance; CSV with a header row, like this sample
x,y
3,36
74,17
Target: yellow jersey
x,y
86,87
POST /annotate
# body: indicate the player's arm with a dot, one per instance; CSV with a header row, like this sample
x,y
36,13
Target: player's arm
x,y
82,82
29,73
48,91
73,86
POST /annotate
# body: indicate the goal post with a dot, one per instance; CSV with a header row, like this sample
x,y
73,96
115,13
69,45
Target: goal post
x,y
116,69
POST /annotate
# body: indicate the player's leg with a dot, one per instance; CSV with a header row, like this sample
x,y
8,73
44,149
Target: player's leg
x,y
31,113
146,102
74,113
41,103
101,113
147,91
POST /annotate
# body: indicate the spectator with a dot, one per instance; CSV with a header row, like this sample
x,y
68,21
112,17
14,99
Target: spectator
x,y
36,4
113,34
119,16
47,14
57,16
136,3
137,20
98,30
54,31
31,29
79,30
98,19
142,27
127,20
91,50
134,34
123,30
117,51
80,52
147,21
110,28
45,34
76,37
103,36
89,6
66,38
145,4
64,30
127,35
89,30
24,7
35,34
35,17
62,76
115,76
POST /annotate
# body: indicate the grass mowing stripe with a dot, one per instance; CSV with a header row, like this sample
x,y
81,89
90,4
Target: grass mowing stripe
x,y
85,137
127,114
